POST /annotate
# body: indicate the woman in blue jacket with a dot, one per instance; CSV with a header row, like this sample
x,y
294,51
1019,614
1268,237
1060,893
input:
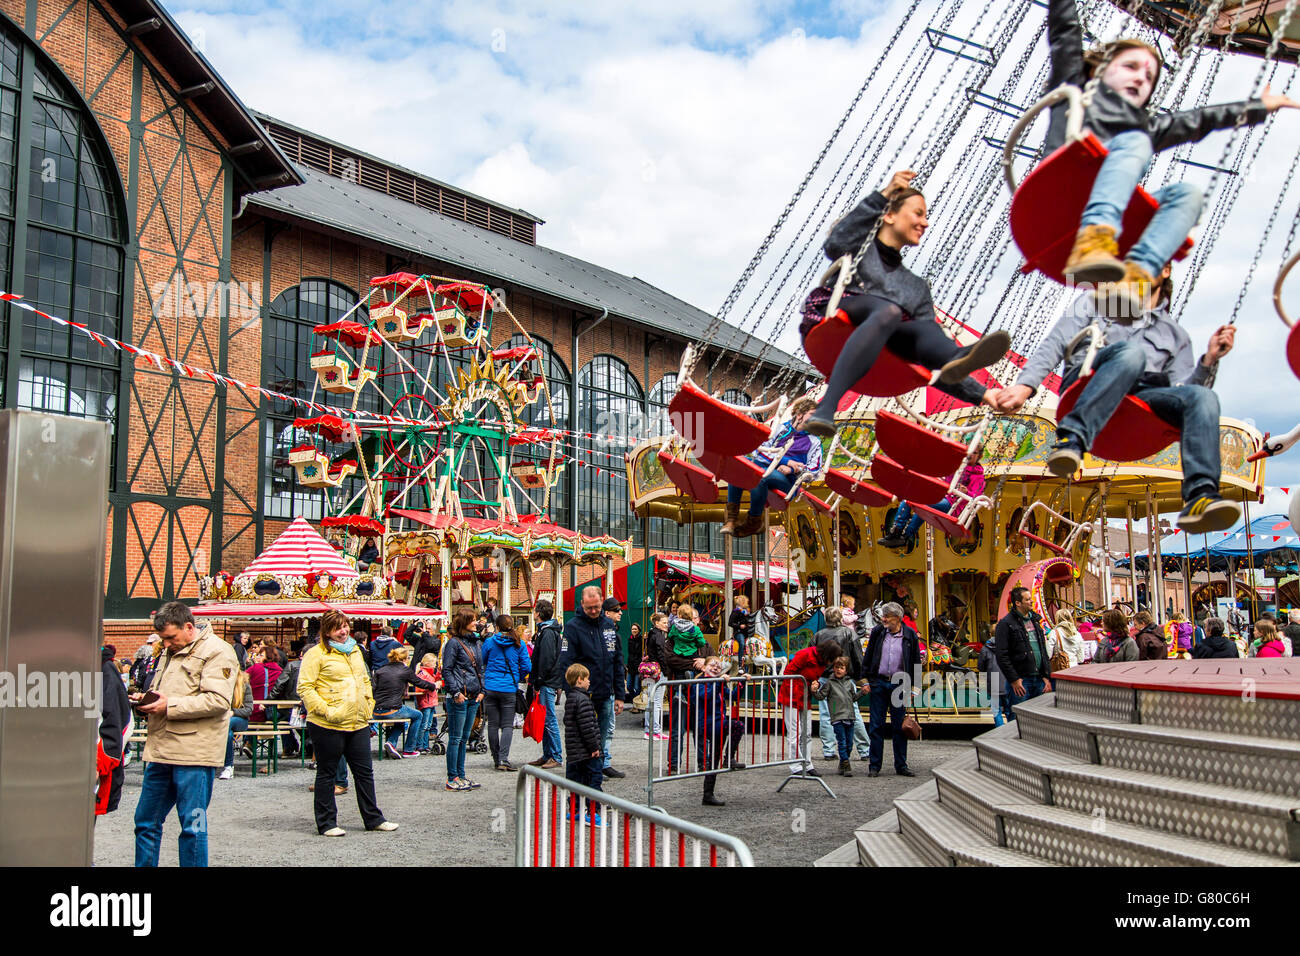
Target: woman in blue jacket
x,y
505,664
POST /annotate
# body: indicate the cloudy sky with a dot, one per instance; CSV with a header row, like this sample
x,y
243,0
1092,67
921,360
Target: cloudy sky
x,y
663,138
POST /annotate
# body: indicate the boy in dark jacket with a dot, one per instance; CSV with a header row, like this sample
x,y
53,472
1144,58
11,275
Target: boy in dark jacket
x,y
714,726
582,737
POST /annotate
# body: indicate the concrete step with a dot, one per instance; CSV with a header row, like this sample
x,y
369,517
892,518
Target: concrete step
x,y
1080,839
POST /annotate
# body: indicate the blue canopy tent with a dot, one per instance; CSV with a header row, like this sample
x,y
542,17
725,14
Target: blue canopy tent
x,y
1272,541
1178,549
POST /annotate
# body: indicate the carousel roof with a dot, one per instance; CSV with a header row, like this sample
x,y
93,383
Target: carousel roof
x,y
300,550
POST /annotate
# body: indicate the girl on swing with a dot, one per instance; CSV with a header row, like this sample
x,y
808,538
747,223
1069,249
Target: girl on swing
x,y
890,305
1118,115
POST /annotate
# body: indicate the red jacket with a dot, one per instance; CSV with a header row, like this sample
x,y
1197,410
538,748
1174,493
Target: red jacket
x,y
805,664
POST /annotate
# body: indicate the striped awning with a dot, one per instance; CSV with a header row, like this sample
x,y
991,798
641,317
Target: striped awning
x,y
377,610
300,550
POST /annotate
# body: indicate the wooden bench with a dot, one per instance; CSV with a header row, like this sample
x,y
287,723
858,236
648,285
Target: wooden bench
x,y
383,733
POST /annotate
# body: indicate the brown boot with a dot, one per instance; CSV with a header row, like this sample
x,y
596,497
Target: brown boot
x,y
1126,300
749,526
1095,257
733,515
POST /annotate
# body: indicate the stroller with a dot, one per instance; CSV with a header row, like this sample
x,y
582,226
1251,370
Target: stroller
x,y
477,742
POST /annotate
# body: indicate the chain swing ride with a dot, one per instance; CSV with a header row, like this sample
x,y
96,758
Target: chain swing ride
x,y
956,82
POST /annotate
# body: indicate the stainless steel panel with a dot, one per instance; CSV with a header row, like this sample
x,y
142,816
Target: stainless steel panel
x,y
53,489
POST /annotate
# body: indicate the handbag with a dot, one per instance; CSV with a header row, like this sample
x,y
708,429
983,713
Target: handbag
x,y
535,720
910,727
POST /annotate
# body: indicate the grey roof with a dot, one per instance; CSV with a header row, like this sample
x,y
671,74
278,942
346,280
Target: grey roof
x,y
357,210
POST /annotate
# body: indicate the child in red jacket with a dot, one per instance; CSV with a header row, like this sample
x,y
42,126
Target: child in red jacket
x,y
428,702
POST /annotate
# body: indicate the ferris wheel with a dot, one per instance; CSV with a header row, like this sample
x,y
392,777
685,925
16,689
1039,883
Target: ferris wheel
x,y
454,412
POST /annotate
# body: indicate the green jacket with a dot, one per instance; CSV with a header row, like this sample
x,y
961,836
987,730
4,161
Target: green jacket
x,y
841,694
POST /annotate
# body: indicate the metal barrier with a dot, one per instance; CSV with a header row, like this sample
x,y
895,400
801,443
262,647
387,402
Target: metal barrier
x,y
551,829
721,725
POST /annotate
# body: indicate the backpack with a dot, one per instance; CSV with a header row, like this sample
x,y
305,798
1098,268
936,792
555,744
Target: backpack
x,y
1183,636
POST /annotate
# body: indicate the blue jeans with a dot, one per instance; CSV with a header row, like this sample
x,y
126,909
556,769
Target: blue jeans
x,y
460,723
758,495
414,721
1193,409
907,523
1033,688
843,737
551,735
605,707
881,692
428,725
189,790
237,726
1120,174
827,735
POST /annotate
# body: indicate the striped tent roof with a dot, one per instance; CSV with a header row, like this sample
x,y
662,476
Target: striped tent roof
x,y
301,551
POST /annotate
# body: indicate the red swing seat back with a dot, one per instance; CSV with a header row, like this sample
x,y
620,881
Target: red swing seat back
x,y
859,491
713,426
908,485
1047,207
889,376
735,471
690,478
916,447
941,521
1134,432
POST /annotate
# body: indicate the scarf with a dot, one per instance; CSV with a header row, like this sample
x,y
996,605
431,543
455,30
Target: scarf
x,y
347,648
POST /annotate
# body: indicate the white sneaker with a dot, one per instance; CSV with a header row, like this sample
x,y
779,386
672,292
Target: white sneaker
x,y
226,773
335,831
388,826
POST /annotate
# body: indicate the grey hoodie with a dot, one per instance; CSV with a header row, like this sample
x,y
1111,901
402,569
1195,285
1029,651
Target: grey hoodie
x,y
841,694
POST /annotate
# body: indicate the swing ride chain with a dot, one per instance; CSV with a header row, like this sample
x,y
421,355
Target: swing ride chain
x,y
749,270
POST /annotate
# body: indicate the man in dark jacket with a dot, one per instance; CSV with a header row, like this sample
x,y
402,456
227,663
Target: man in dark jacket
x,y
1021,650
115,721
893,657
591,639
1151,643
1215,643
546,679
380,647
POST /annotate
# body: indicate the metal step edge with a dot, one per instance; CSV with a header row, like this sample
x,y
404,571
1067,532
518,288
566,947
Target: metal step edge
x,y
934,830
1022,766
976,796
846,855
1245,820
887,849
998,856
1264,746
1113,702
887,822
1143,845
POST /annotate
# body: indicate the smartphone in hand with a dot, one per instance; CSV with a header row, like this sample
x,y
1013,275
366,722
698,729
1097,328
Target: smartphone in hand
x,y
148,697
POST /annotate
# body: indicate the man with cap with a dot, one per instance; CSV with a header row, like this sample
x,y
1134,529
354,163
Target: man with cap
x,y
591,639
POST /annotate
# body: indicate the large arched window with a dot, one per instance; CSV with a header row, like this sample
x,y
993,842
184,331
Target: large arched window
x,y
286,368
734,396
540,416
660,396
609,406
62,232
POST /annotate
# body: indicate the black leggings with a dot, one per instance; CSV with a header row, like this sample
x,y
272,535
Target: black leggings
x,y
499,706
880,323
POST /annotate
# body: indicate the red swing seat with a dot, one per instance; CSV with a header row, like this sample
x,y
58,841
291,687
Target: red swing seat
x,y
1047,207
1049,545
736,472
778,502
858,490
887,377
712,425
1134,432
916,447
1293,349
907,485
942,521
690,478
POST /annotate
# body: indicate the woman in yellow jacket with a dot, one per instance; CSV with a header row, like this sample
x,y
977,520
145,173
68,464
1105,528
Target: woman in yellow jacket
x,y
335,688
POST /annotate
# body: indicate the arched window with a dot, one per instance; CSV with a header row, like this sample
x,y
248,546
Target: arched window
x,y
539,415
734,396
609,406
660,396
61,244
286,368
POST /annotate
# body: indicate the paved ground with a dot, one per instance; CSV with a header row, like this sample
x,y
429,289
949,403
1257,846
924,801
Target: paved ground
x,y
268,821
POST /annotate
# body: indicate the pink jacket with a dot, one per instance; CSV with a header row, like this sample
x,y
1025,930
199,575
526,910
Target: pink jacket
x,y
1273,648
430,697
971,482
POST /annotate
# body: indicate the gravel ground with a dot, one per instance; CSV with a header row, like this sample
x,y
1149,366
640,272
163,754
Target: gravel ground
x,y
268,821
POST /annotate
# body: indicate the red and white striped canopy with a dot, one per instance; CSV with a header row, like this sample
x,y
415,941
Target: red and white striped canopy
x,y
301,551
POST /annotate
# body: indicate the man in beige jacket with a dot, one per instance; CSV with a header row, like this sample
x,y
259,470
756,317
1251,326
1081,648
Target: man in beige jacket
x,y
188,723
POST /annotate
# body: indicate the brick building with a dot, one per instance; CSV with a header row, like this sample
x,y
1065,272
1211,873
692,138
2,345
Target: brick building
x,y
146,201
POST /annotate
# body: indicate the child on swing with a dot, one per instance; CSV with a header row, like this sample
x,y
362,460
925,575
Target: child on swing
x,y
889,305
1118,115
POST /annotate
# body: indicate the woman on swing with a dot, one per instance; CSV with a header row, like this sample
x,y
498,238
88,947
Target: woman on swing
x,y
890,305
1118,115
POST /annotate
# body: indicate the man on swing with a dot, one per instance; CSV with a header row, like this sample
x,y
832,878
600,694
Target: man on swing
x,y
1152,359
